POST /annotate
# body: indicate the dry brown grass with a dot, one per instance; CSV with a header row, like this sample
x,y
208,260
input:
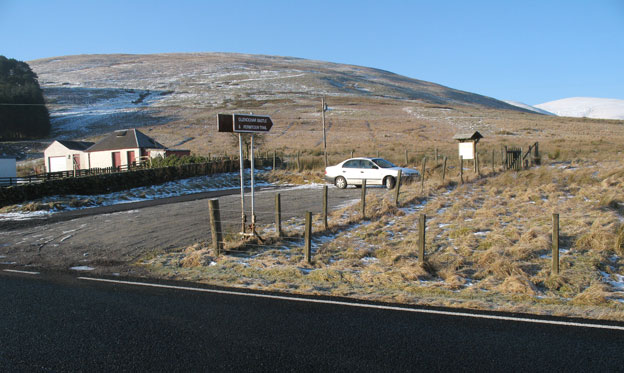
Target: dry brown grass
x,y
488,241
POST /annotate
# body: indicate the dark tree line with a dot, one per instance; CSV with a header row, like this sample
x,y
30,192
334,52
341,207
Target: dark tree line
x,y
23,114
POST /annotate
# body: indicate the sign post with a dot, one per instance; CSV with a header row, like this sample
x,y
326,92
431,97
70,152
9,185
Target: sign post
x,y
242,181
245,123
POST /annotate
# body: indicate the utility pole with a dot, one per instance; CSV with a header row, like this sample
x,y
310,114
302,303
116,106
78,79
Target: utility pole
x,y
323,109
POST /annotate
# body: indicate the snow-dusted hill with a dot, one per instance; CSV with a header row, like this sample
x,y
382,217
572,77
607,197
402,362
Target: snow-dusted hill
x,y
93,94
528,107
586,107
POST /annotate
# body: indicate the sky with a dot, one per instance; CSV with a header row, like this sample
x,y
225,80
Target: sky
x,y
527,51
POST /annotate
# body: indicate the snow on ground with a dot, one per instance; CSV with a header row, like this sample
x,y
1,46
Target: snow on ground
x,y
76,111
171,189
586,107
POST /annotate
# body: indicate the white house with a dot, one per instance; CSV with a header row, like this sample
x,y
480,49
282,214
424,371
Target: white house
x,y
122,148
119,149
64,155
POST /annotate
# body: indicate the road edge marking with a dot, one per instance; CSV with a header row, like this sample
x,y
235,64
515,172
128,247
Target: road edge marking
x,y
22,272
360,305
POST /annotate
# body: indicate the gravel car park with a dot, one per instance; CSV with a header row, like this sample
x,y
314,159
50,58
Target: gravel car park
x,y
376,171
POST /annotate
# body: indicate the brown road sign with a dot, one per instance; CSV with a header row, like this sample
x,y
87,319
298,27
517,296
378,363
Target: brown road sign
x,y
252,123
225,123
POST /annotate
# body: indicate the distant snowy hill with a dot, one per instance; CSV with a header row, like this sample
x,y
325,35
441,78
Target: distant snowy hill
x,y
586,107
528,107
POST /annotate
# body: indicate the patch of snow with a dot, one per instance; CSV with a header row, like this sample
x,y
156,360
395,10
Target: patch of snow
x,y
586,107
369,259
170,189
82,268
66,238
617,284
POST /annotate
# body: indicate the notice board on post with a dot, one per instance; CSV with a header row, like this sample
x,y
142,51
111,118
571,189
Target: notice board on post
x,y
466,150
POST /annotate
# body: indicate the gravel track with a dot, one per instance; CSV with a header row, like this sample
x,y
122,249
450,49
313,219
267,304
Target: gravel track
x,y
113,236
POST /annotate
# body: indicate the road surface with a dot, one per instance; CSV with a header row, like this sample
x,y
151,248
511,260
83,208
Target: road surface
x,y
61,323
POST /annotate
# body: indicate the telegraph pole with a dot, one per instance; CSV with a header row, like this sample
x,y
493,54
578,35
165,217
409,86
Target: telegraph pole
x,y
323,109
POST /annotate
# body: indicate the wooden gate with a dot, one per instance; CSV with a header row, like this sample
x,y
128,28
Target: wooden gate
x,y
513,159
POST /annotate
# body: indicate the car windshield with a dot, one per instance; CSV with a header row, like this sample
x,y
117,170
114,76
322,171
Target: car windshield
x,y
383,163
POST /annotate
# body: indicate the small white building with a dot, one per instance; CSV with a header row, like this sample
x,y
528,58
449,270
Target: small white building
x,y
64,155
122,148
8,167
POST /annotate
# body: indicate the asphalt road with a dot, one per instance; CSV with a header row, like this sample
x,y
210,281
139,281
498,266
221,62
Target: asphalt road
x,y
58,323
113,235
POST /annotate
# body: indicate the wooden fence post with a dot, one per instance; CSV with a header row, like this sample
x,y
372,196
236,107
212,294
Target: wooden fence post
x,y
492,160
406,158
363,199
555,244
421,238
476,160
444,170
278,215
325,197
461,169
505,159
351,153
398,187
422,178
436,155
215,225
307,253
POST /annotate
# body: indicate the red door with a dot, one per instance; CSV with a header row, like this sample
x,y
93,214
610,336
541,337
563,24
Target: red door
x,y
76,161
131,158
116,159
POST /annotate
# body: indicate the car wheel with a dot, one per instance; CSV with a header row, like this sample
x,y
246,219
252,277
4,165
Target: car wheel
x,y
341,182
389,182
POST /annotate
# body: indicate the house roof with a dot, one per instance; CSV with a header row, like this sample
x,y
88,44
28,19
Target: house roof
x,y
468,136
76,145
126,139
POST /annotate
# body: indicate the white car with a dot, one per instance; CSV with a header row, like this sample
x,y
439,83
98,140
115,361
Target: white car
x,y
376,171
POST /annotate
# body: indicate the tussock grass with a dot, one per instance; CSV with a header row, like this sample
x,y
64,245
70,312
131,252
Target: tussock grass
x,y
488,246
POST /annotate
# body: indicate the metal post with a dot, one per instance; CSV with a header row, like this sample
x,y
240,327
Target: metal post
x,y
298,161
242,181
253,211
274,158
363,199
421,240
555,244
422,177
444,170
325,197
308,237
324,131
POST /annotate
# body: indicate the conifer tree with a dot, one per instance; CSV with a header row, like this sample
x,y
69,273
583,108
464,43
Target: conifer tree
x,y
23,114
